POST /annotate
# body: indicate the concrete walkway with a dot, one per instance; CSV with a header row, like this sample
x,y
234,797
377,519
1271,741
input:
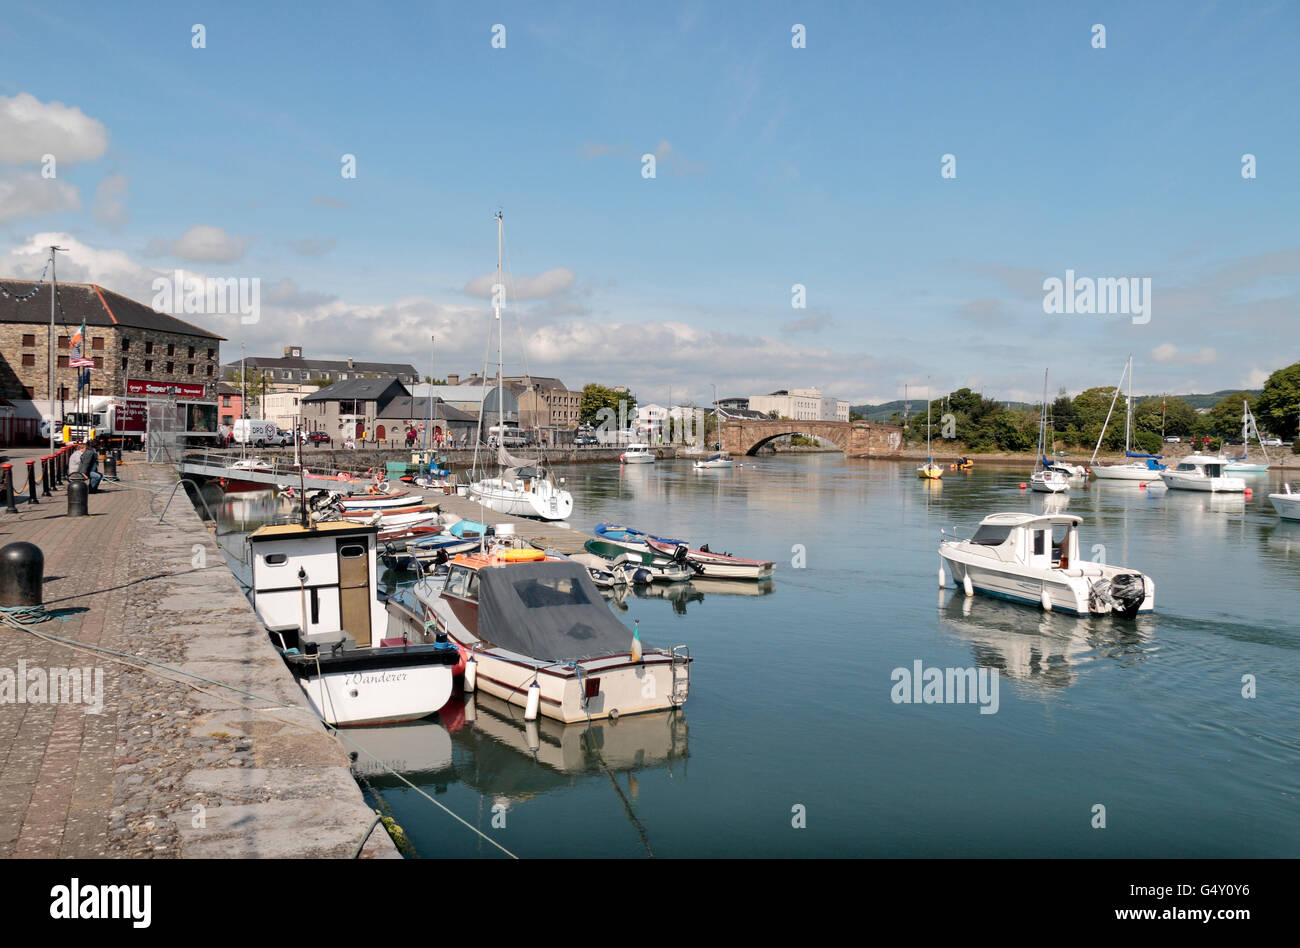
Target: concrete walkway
x,y
165,769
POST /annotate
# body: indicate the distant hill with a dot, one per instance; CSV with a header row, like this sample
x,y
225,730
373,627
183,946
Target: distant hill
x,y
885,411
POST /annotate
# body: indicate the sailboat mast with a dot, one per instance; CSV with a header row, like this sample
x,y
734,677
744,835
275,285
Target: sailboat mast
x,y
1128,410
499,294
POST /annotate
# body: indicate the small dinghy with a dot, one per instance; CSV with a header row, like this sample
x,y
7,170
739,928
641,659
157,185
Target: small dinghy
x,y
716,460
663,569
1035,559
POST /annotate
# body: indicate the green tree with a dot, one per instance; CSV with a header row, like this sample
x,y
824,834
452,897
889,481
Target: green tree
x,y
595,397
1180,416
1225,417
1279,403
255,383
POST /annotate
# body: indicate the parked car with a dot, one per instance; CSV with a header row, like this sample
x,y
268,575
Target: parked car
x,y
1272,442
318,437
1173,439
584,439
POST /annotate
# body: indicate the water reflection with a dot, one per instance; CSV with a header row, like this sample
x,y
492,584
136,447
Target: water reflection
x,y
1043,650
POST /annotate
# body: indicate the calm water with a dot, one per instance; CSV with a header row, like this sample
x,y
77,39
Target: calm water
x,y
790,691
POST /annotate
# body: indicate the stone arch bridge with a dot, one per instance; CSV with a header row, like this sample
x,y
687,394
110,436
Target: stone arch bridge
x,y
857,439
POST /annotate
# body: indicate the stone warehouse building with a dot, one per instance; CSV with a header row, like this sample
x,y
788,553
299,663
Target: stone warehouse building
x,y
126,340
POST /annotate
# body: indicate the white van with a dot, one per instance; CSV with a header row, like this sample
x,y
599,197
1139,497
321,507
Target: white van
x,y
512,437
259,432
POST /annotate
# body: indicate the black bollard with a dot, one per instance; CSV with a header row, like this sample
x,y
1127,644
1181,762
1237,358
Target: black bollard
x,y
78,495
110,466
31,480
22,571
45,477
56,468
9,487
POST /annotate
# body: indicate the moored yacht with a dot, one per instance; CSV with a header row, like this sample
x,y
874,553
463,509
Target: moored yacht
x,y
638,454
1286,504
1035,559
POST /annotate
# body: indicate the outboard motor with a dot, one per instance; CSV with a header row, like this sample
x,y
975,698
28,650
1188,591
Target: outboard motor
x,y
1127,590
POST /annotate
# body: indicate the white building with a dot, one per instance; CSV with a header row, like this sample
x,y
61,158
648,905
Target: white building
x,y
801,404
283,408
651,419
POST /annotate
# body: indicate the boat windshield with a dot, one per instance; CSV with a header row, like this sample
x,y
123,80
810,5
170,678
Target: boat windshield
x,y
1187,467
991,534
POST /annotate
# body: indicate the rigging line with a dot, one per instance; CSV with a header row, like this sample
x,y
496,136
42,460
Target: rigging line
x,y
26,296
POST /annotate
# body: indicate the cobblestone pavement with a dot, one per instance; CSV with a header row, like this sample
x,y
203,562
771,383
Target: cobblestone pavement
x,y
170,767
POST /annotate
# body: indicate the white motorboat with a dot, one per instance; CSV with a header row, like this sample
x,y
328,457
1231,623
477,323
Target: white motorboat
x,y
523,487
638,454
1204,473
1242,464
533,630
1064,467
1045,479
1049,481
1035,559
1286,504
314,588
1141,467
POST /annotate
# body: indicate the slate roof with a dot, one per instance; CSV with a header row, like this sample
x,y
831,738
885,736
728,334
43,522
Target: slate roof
x,y
404,406
91,302
358,389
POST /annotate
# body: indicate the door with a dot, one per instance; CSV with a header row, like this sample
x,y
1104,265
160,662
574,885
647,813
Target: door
x,y
354,589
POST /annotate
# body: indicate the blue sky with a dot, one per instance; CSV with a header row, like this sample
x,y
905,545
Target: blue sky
x,y
775,166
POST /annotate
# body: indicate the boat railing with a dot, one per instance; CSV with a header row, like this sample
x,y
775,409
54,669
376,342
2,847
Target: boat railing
x,y
280,467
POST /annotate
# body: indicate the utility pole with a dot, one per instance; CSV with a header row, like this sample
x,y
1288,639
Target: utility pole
x,y
54,284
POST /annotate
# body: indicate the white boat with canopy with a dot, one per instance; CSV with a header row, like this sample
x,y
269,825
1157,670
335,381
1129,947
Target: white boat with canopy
x,y
1034,558
638,454
1204,473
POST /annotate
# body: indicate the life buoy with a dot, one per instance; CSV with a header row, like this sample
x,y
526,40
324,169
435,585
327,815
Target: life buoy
x,y
342,476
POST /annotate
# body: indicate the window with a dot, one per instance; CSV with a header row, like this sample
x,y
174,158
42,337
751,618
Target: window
x,y
29,358
123,363
96,391
171,366
126,345
456,579
148,365
63,362
29,339
225,401
99,362
190,369
277,559
209,371
65,342
97,343
551,591
1040,542
191,355
148,348
29,393
212,353
171,348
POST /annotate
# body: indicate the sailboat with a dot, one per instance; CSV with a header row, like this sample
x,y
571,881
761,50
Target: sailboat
x,y
1240,465
522,487
929,471
1045,479
1142,467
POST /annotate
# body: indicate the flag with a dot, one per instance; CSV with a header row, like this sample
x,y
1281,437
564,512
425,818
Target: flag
x,y
83,379
79,337
80,363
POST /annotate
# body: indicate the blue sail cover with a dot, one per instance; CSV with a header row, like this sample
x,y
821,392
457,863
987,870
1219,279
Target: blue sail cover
x,y
1135,454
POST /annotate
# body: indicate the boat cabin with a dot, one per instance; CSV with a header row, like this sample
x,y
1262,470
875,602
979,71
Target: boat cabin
x,y
1036,541
316,585
1194,463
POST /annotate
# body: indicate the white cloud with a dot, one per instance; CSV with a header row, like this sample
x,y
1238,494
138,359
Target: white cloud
x,y
1256,378
313,246
200,243
543,286
110,202
1170,353
30,195
30,128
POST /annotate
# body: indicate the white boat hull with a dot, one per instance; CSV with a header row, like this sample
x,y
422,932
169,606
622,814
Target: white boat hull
x,y
1181,480
383,696
1233,467
1126,472
1067,590
551,503
1049,482
1286,505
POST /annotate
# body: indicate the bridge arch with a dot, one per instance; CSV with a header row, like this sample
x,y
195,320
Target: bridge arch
x,y
854,438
